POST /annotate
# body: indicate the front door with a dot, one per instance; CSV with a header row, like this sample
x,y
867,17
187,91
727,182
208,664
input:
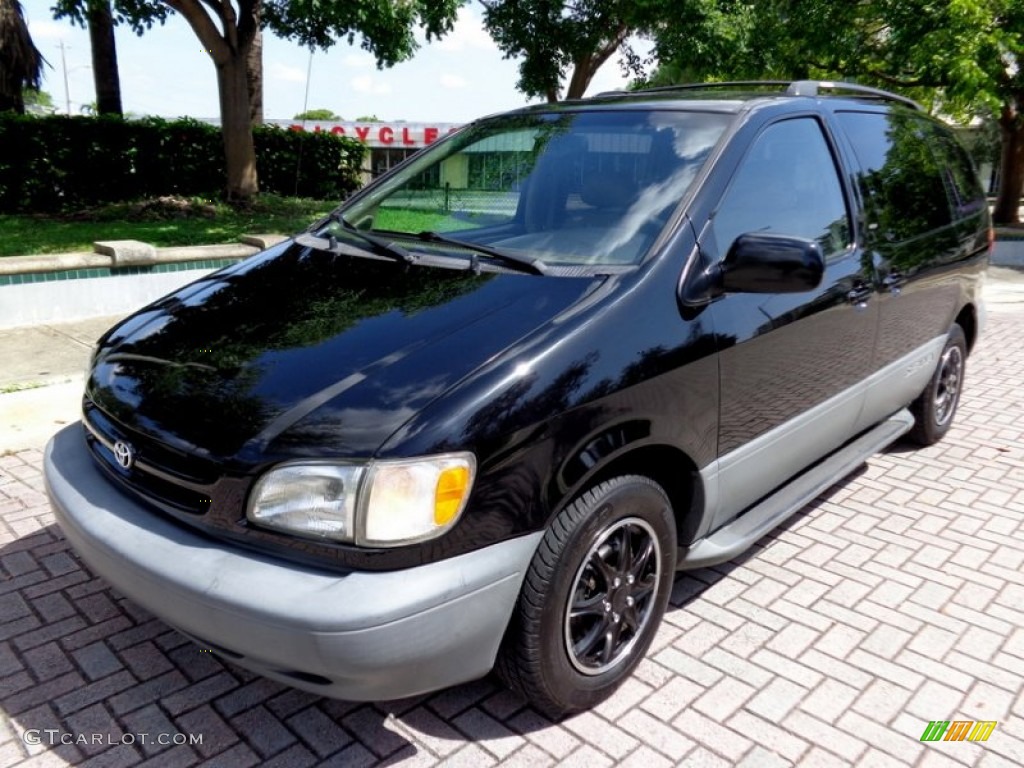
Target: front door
x,y
792,365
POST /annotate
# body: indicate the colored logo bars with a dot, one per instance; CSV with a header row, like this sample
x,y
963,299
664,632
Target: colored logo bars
x,y
958,730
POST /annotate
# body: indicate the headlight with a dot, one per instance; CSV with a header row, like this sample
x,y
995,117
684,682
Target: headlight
x,y
308,499
380,504
414,500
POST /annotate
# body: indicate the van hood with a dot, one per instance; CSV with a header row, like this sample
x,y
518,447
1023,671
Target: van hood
x,y
296,352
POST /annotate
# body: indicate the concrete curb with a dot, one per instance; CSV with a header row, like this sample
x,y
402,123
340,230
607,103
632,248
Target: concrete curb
x,y
1008,252
122,253
118,277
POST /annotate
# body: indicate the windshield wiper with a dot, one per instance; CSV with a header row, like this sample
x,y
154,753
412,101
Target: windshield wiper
x,y
387,248
519,262
330,244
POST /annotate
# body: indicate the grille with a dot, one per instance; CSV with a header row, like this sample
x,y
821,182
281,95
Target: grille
x,y
171,479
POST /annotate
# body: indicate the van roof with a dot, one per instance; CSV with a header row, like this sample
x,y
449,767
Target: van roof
x,y
740,91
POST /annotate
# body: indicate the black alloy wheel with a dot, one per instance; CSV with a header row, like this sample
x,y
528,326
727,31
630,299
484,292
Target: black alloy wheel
x,y
592,598
613,597
935,408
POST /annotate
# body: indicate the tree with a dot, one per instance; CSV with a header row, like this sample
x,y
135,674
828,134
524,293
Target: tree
x,y
723,39
962,57
228,35
100,17
21,64
386,28
567,42
37,101
254,75
230,32
104,58
317,114
562,40
970,51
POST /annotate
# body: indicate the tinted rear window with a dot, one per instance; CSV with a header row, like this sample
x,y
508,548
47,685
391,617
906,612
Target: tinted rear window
x,y
903,181
965,192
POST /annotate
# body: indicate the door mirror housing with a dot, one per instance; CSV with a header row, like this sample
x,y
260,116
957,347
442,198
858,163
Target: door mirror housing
x,y
769,263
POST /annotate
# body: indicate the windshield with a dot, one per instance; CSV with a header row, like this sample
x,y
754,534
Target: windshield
x,y
564,188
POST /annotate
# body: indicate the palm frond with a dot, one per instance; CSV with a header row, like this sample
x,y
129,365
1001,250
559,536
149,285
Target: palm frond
x,y
21,64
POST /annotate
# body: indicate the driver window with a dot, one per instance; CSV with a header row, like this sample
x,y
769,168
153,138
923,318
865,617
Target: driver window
x,y
787,185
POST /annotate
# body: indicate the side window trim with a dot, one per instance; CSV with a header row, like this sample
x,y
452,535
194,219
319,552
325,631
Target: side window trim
x,y
851,200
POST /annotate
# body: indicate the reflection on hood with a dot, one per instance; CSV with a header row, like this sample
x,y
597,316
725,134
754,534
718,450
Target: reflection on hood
x,y
306,350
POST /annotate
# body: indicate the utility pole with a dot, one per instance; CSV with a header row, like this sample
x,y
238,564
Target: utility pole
x,y
67,93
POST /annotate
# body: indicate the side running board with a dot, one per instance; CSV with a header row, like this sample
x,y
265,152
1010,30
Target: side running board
x,y
739,535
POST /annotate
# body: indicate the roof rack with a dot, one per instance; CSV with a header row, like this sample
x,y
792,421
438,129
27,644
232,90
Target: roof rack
x,y
793,88
811,88
698,87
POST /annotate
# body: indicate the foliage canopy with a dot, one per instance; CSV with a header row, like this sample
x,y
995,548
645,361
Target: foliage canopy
x,y
317,114
21,64
961,57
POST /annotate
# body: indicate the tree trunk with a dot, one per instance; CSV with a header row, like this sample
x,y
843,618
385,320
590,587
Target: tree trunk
x,y
13,103
239,152
254,68
1011,167
581,75
586,65
104,58
228,42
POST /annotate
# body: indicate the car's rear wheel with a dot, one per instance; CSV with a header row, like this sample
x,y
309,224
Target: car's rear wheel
x,y
592,598
935,408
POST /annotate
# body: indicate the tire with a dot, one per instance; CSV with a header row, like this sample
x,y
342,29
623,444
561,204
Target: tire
x,y
935,408
563,664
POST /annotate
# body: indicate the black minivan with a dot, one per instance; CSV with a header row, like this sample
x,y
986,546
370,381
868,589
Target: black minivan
x,y
479,416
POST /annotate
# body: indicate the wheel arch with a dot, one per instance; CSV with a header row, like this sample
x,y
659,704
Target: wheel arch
x,y
666,465
968,320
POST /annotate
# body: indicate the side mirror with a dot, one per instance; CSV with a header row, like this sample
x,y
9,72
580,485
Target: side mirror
x,y
769,263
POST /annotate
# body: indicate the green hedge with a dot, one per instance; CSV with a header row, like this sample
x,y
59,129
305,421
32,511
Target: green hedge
x,y
56,163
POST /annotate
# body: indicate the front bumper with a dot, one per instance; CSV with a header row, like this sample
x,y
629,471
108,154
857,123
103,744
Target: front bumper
x,y
360,636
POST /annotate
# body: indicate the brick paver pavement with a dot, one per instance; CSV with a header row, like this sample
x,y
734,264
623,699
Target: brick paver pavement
x,y
893,600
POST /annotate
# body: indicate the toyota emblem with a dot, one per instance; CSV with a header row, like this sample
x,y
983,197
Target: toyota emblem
x,y
123,454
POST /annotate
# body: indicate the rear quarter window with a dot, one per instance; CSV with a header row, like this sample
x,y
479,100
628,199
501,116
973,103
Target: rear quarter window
x,y
914,175
965,192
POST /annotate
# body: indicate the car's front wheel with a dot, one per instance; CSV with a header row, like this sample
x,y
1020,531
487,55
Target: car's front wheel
x,y
593,597
934,409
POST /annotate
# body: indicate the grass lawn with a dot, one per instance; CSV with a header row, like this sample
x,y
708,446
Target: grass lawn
x,y
412,220
163,222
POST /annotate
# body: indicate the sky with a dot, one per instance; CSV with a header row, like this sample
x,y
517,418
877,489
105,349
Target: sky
x,y
166,72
